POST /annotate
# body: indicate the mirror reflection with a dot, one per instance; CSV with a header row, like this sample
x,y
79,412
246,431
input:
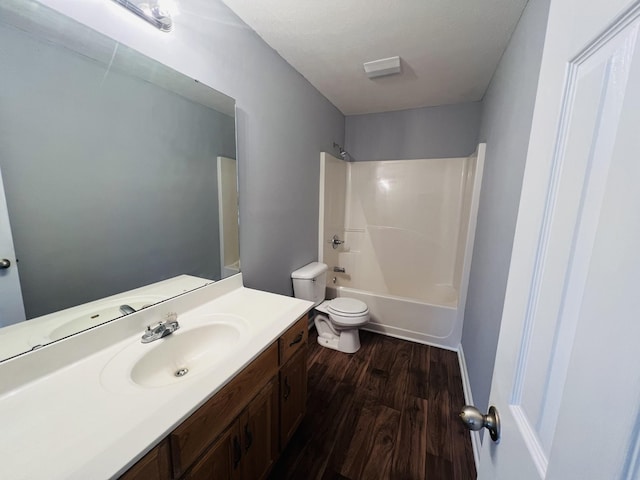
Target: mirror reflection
x,y
119,179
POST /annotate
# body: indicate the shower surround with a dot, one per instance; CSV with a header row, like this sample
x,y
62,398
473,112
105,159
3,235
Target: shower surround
x,y
408,229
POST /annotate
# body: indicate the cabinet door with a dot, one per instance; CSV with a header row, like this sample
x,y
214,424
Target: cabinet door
x,y
259,433
293,394
222,460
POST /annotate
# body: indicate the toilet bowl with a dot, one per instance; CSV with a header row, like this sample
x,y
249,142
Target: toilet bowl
x,y
337,321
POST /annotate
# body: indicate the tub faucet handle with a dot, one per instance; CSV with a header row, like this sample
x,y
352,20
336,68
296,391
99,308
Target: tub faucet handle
x,y
335,241
339,269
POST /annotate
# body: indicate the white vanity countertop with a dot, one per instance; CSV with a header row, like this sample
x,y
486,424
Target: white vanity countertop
x,y
67,424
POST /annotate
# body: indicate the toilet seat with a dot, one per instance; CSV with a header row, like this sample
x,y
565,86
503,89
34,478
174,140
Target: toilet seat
x,y
348,312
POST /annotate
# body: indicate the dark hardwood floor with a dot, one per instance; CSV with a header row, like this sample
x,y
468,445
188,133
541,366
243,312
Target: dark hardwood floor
x,y
388,411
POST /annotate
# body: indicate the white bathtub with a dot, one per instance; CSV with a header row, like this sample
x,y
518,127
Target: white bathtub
x,y
407,229
427,323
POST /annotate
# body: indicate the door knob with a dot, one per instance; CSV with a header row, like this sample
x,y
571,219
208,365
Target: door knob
x,y
4,263
473,419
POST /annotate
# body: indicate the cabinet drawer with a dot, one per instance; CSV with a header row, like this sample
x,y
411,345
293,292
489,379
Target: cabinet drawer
x,y
293,339
190,439
154,464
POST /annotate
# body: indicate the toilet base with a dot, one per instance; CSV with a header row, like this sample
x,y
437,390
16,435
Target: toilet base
x,y
346,341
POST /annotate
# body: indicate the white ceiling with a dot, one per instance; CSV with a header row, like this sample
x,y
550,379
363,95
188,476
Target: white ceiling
x,y
449,48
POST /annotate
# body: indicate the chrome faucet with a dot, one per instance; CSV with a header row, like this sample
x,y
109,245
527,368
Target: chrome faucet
x,y
162,329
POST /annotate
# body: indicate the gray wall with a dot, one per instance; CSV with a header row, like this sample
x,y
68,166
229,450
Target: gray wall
x,y
506,124
110,180
283,125
431,132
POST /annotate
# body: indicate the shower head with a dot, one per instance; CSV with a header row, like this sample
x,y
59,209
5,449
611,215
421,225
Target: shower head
x,y
341,151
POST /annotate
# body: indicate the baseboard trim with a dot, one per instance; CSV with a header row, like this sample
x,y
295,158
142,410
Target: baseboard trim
x,y
468,398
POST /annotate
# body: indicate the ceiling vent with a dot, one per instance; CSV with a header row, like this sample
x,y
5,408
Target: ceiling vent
x,y
382,67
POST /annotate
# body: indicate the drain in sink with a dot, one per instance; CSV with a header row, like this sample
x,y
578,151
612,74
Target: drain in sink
x,y
182,372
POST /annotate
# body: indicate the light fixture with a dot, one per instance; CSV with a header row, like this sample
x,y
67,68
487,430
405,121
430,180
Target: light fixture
x,y
153,11
382,67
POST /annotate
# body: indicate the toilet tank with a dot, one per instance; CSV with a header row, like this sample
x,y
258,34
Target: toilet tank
x,y
310,282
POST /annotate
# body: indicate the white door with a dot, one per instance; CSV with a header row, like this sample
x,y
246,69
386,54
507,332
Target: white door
x,y
567,374
11,306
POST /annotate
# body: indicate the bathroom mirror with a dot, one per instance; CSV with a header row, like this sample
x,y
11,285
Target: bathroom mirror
x,y
118,172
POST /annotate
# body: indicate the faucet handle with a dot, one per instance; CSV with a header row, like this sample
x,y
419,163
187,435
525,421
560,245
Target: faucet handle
x,y
171,317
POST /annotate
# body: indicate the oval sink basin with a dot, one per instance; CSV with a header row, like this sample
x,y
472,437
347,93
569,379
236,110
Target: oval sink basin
x,y
196,347
181,354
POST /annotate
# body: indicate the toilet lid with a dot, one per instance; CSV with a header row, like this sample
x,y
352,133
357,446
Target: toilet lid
x,y
347,306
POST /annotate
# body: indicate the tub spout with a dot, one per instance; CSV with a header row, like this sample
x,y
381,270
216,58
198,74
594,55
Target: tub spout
x,y
126,309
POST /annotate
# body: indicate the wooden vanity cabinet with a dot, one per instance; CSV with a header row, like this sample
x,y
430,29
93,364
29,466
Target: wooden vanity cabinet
x,y
238,433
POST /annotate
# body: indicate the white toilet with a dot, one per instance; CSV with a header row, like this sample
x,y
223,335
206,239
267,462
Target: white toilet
x,y
337,321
